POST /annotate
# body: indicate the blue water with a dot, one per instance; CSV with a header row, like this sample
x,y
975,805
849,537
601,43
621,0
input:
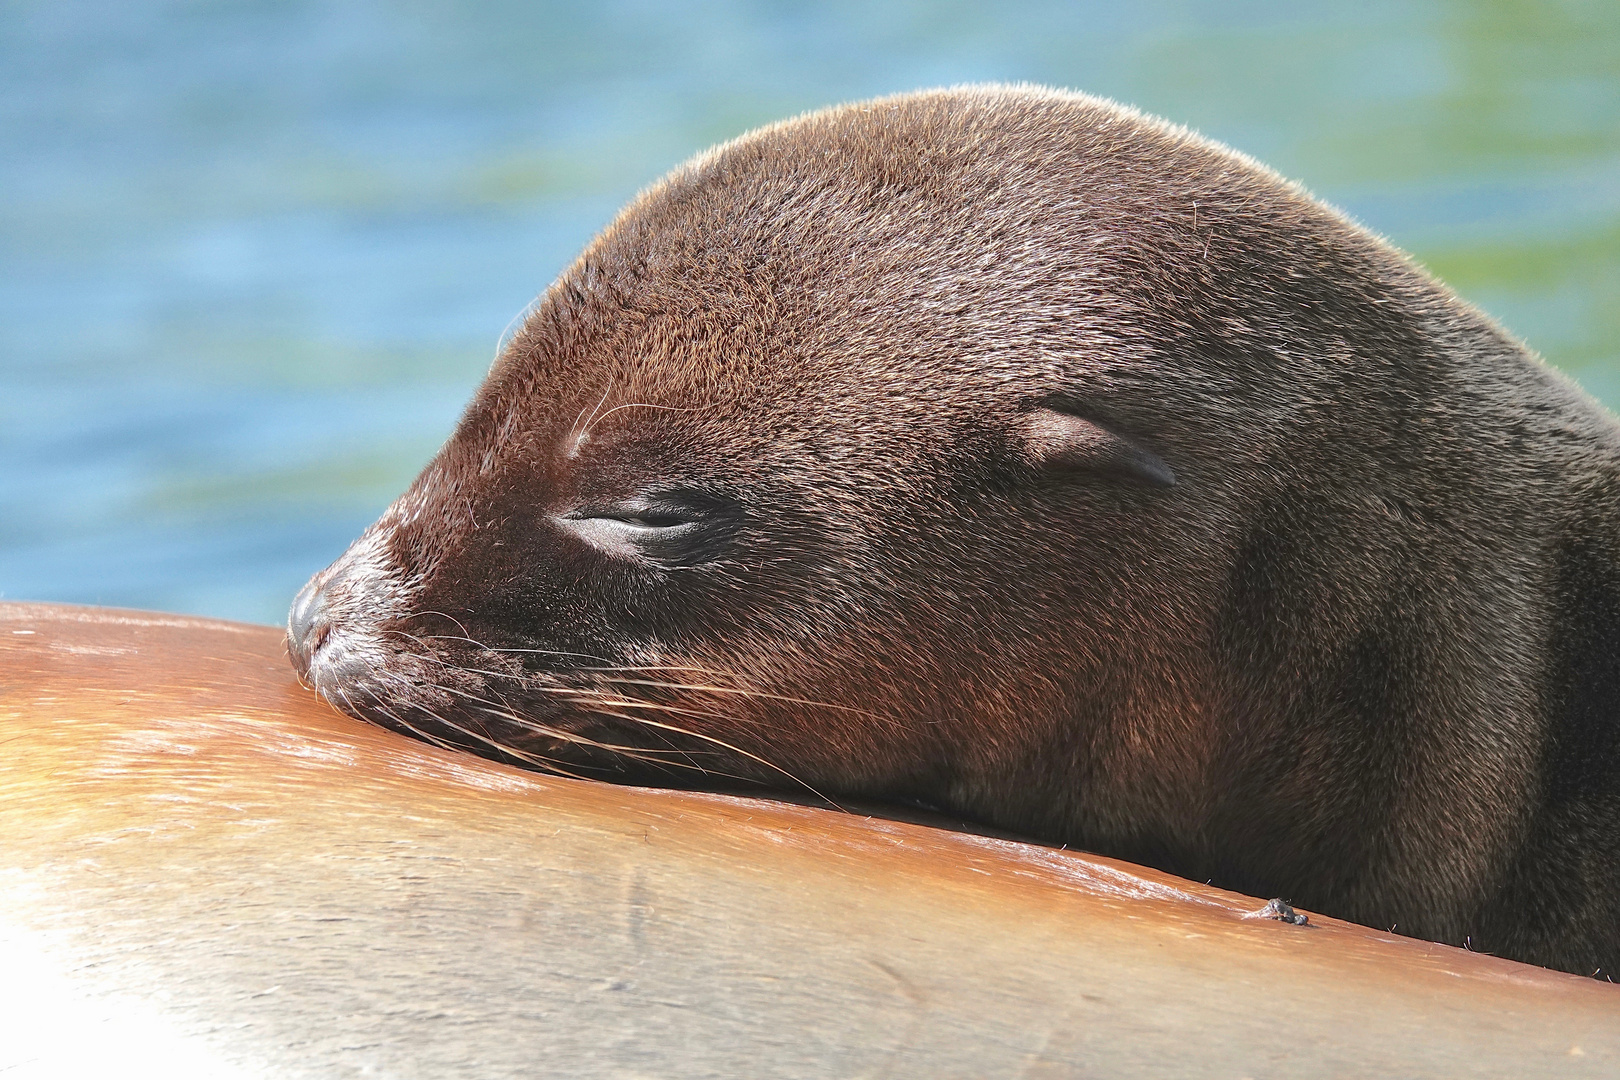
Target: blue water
x,y
254,257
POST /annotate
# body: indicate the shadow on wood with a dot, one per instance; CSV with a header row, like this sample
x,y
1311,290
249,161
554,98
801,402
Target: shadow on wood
x,y
208,872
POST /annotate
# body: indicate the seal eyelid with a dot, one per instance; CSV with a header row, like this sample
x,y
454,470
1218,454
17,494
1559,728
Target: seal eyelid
x,y
669,529
652,518
661,510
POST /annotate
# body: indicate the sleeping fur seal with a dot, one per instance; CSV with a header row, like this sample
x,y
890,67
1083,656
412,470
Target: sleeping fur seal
x,y
1011,452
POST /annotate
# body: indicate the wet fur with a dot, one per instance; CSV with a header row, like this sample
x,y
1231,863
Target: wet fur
x,y
1357,645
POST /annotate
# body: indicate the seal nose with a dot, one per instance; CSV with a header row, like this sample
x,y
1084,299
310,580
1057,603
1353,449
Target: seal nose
x,y
307,625
327,649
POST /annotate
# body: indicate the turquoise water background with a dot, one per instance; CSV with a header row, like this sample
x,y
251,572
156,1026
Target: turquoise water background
x,y
254,257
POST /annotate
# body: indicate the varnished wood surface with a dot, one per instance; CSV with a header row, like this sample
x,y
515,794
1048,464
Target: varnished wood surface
x,y
204,871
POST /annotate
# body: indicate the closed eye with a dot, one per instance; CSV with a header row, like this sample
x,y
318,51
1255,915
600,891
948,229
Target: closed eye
x,y
678,529
647,519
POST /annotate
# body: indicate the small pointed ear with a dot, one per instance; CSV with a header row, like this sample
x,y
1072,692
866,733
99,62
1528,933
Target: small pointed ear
x,y
1063,442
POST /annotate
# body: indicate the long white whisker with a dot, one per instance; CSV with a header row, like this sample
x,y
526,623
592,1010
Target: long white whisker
x,y
511,716
507,333
761,694
724,745
640,405
584,429
445,615
427,737
691,764
536,760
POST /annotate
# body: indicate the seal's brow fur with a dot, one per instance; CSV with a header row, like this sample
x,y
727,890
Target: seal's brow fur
x,y
1341,623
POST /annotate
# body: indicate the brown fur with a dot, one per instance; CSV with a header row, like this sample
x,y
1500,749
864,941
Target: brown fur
x,y
1054,466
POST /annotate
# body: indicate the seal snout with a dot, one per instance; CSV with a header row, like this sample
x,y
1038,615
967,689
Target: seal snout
x,y
307,626
331,635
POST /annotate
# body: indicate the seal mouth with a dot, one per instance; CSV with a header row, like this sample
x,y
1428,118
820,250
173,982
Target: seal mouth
x,y
459,694
621,722
547,728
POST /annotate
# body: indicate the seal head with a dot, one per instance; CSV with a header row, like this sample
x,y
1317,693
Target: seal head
x,y
1011,452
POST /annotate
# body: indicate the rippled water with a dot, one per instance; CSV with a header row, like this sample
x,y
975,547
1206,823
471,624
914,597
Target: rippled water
x,y
254,257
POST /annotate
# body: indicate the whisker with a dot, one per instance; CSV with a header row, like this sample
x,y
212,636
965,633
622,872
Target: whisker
x,y
637,753
601,704
760,694
594,701
508,714
689,763
725,745
511,716
609,666
763,695
537,760
518,678
507,334
427,737
423,639
586,427
434,740
640,405
621,702
539,652
445,615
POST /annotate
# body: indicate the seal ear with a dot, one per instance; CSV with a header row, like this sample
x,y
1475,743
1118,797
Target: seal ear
x,y
1051,439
